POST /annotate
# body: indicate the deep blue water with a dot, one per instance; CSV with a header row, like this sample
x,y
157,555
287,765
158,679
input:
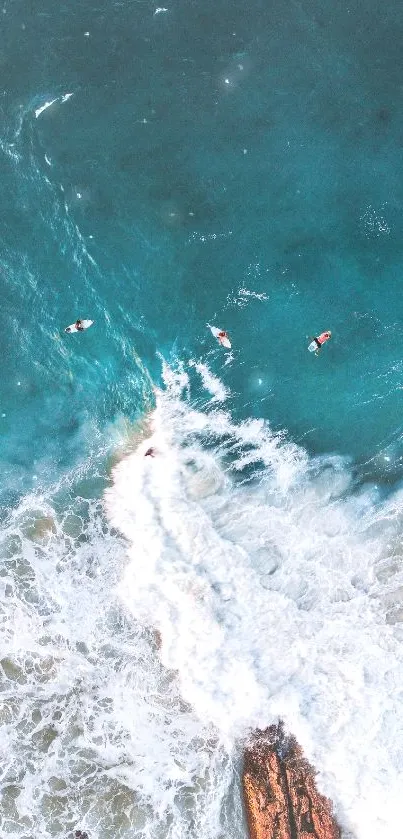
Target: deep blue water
x,y
214,148
278,134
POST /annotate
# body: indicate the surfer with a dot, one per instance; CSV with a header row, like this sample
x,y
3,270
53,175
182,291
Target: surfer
x,y
79,325
318,342
221,335
223,338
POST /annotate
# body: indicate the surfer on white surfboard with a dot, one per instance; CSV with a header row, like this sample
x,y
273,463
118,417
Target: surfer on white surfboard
x,y
79,325
317,343
221,335
222,338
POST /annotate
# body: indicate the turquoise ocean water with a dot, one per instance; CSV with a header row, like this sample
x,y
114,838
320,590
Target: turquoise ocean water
x,y
163,168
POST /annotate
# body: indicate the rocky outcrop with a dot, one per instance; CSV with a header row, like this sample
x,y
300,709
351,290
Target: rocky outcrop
x,y
280,794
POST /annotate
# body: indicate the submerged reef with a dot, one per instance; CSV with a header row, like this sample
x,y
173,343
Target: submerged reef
x,y
280,795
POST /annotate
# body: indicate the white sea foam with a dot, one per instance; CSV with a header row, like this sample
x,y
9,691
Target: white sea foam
x,y
244,295
210,382
277,592
246,292
94,733
44,107
374,223
196,236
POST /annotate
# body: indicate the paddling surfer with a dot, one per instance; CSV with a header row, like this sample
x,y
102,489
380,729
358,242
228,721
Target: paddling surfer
x,y
317,342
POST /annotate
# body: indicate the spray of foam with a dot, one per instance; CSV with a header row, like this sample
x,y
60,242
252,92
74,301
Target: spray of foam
x,y
94,732
64,98
277,592
210,382
244,296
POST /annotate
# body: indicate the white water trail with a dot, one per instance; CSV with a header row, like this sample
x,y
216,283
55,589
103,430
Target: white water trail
x,y
277,590
210,382
39,111
64,98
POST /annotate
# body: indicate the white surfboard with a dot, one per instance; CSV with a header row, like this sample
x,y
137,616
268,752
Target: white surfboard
x,y
313,347
225,342
85,324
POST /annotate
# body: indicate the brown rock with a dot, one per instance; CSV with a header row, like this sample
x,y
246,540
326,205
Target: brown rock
x,y
280,794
